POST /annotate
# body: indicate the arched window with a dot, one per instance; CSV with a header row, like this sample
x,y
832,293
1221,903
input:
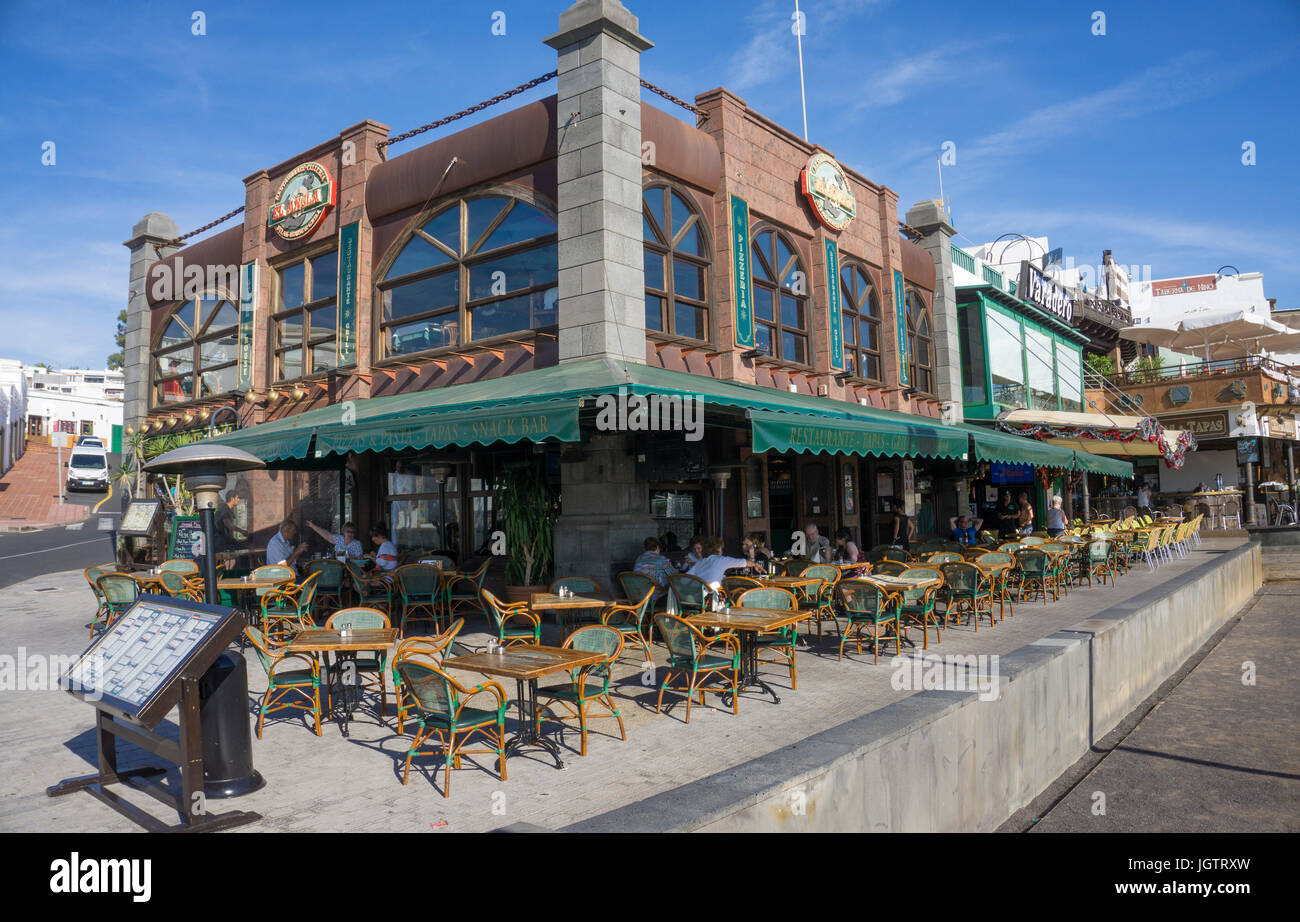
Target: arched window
x,y
480,267
860,314
920,343
676,265
197,352
780,298
305,316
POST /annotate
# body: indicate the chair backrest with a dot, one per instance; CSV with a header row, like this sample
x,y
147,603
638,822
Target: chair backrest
x,y
479,572
358,619
580,585
895,553
1031,560
1010,547
307,592
942,557
690,590
1032,540
94,573
118,588
330,574
266,655
889,568
172,581
995,559
433,690
428,646
768,597
822,571
356,573
596,638
678,635
961,576
1054,547
1130,511
634,584
446,562
417,579
179,565
273,571
911,595
859,596
1099,550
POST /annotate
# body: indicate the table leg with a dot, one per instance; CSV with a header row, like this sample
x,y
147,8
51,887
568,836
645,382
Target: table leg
x,y
528,735
348,692
749,669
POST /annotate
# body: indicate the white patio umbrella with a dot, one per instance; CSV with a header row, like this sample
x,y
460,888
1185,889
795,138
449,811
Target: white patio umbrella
x,y
1230,334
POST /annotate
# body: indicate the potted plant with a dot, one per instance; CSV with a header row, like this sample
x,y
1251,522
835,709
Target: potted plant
x,y
527,507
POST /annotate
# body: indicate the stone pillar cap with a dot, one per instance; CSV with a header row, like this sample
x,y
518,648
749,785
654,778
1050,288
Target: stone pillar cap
x,y
155,224
589,17
928,216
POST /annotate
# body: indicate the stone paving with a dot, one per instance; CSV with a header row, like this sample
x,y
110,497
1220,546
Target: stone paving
x,y
336,784
29,491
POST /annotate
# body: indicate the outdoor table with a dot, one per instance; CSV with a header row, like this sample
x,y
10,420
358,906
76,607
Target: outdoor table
x,y
242,587
897,585
525,664
749,623
549,601
321,640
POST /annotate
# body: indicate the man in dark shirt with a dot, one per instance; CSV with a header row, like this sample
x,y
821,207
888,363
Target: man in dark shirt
x,y
1008,514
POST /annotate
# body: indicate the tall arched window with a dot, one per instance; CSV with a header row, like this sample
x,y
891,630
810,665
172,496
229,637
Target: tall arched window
x,y
860,315
480,267
780,298
920,343
305,316
676,265
197,353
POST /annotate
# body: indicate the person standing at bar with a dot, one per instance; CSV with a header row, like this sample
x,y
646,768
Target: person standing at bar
x,y
904,526
1025,516
1008,514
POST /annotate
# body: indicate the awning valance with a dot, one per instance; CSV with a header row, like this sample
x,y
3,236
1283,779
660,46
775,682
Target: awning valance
x,y
1096,464
991,445
883,437
533,421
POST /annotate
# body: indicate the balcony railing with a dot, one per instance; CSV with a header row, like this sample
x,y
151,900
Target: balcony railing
x,y
961,258
1106,312
1171,372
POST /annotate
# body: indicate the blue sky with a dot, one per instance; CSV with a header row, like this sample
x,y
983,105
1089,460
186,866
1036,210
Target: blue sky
x,y
1130,141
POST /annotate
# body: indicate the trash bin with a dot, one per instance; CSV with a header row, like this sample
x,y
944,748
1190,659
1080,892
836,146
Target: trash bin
x,y
225,729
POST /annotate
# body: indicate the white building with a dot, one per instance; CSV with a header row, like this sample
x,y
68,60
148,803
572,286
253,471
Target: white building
x,y
77,401
13,408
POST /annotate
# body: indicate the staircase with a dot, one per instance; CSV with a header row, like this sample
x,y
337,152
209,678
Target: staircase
x,y
1116,401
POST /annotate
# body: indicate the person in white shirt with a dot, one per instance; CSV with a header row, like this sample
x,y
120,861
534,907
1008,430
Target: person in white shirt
x,y
281,548
714,566
818,548
1144,499
345,544
385,557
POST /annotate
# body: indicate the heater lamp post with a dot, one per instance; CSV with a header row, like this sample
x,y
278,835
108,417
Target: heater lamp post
x,y
204,468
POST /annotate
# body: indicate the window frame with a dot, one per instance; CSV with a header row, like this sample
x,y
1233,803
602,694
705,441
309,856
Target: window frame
x,y
847,307
195,345
306,343
461,265
776,326
913,366
668,254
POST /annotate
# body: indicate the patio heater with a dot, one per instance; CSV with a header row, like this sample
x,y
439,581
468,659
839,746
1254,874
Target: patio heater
x,y
720,477
440,473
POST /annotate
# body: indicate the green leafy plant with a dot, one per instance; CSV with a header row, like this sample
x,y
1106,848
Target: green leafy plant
x,y
1147,369
1100,364
528,508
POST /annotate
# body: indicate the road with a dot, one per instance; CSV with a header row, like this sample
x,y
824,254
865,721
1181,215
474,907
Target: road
x,y
64,547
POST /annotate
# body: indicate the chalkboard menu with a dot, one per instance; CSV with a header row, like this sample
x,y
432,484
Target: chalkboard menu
x,y
146,649
187,538
139,518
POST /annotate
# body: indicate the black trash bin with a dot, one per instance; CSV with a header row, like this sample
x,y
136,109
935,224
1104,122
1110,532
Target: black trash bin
x,y
226,731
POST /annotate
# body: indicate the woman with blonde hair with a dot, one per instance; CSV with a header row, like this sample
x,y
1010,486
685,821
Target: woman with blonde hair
x,y
1055,519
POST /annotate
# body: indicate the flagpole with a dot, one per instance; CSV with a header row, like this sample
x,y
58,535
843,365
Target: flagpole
x,y
798,35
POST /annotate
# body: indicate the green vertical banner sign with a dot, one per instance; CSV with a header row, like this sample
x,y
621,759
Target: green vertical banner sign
x,y
349,240
247,308
833,303
900,321
741,283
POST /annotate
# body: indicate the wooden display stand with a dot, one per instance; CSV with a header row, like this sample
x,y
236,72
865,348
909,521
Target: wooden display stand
x,y
134,722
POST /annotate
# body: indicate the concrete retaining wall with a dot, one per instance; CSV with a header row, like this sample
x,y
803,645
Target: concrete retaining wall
x,y
948,761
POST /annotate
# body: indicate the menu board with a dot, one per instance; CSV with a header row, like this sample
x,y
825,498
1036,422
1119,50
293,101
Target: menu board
x,y
139,517
187,538
135,659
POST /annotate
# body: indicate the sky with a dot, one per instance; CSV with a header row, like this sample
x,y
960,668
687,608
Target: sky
x,y
1121,126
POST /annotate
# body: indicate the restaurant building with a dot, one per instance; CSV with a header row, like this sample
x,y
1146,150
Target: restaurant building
x,y
392,331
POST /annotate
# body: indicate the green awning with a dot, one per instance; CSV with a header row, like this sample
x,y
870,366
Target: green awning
x,y
1099,464
275,440
991,445
862,436
438,428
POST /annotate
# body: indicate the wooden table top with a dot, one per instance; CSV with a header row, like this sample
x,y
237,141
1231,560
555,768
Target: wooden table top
x,y
748,619
898,582
549,601
236,582
320,640
525,663
788,582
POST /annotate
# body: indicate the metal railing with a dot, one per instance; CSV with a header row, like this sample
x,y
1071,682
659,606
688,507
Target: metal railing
x,y
1170,372
1119,402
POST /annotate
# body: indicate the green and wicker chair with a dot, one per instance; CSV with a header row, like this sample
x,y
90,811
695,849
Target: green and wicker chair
x,y
372,662
587,685
868,610
176,586
429,649
628,618
371,591
442,710
917,605
1033,564
889,568
1063,560
185,568
896,553
780,643
117,593
292,680
733,586
820,600
513,622
463,594
634,586
696,659
419,589
970,591
1000,579
1033,540
584,586
287,611
1099,562
942,557
330,580
1010,547
692,593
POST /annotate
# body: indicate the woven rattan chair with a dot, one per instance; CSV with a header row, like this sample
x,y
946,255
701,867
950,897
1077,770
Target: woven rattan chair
x,y
696,659
918,604
117,592
514,623
868,610
589,684
692,593
418,587
292,680
781,643
821,599
428,649
463,594
329,584
368,663
970,592
628,618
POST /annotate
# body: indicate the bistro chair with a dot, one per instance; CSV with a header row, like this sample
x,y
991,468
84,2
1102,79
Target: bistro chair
x,y
821,599
634,586
896,553
918,604
462,593
287,611
1060,557
889,568
696,659
868,609
1010,547
1099,562
371,591
580,585
372,662
1001,569
442,710
1033,540
781,642
628,618
1034,565
427,649
514,623
692,593
117,592
942,557
174,585
292,680
587,684
179,565
733,586
418,586
92,574
329,583
970,591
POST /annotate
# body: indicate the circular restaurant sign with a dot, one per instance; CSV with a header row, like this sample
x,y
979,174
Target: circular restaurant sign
x,y
828,192
304,198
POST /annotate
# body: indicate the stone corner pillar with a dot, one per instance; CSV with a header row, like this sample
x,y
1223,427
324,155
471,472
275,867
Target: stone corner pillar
x,y
598,110
930,219
147,246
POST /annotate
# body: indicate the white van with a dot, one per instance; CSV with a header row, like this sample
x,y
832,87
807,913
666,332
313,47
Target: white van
x,y
88,470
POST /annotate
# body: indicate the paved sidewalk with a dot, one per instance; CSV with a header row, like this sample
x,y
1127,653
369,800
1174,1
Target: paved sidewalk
x,y
29,492
333,783
1218,754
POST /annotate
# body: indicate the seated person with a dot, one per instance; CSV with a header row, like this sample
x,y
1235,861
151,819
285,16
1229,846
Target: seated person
x,y
346,544
755,550
818,546
281,550
653,564
385,555
964,531
845,550
714,566
694,554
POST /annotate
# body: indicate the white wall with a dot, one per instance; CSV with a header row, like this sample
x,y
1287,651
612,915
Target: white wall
x,y
103,414
1200,466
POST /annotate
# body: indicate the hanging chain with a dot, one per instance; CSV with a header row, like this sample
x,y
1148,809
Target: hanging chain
x,y
671,98
177,241
470,111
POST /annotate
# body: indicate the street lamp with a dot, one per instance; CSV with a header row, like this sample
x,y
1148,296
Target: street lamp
x,y
204,468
